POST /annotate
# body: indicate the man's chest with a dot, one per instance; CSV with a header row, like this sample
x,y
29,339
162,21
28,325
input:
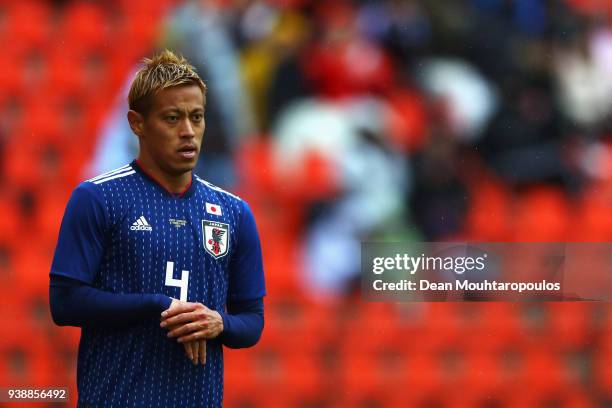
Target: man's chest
x,y
181,250
176,230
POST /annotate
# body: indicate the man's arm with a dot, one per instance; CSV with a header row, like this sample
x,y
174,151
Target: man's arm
x,y
73,300
243,323
240,327
83,237
74,303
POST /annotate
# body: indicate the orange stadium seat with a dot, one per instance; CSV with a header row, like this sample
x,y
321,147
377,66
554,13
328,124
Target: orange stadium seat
x,y
281,261
302,379
488,218
68,81
84,26
497,326
484,374
239,374
371,328
255,165
602,364
25,349
270,369
32,268
311,326
543,372
11,75
30,22
141,28
424,375
569,398
131,7
9,222
442,327
373,375
569,325
541,215
593,222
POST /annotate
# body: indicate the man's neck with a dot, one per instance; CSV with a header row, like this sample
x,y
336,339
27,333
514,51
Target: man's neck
x,y
173,184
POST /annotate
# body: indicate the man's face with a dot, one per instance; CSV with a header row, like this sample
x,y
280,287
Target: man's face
x,y
171,133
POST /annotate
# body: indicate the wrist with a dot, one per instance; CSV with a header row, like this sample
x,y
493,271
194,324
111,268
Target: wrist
x,y
224,321
162,302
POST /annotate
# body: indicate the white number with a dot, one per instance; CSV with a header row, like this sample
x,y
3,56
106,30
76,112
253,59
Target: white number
x,y
178,283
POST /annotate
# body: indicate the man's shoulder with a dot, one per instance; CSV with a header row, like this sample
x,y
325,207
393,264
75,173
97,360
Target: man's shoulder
x,y
111,177
217,192
96,187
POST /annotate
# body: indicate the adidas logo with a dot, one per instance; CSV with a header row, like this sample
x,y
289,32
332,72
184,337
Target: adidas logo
x,y
141,224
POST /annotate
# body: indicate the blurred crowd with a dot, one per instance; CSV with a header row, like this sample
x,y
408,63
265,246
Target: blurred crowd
x,y
356,120
408,120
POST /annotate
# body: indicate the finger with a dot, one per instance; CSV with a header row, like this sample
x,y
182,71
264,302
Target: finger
x,y
181,307
202,347
178,308
178,319
198,335
187,328
188,350
172,327
196,352
182,330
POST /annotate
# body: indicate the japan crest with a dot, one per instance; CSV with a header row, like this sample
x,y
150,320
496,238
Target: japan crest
x,y
216,238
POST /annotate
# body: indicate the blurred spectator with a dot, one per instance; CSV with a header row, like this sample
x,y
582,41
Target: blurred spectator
x,y
583,65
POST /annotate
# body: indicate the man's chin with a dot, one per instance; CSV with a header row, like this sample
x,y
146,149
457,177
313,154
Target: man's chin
x,y
179,169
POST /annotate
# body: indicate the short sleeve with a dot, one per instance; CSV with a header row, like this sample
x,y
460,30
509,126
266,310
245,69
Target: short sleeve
x,y
80,245
246,274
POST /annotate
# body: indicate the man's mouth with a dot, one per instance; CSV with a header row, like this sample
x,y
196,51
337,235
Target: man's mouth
x,y
188,152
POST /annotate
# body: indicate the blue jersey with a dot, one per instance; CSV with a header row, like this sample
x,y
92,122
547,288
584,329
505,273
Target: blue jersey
x,y
123,233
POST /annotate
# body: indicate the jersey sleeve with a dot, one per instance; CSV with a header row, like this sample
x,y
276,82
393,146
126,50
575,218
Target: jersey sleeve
x,y
243,323
80,244
246,274
74,303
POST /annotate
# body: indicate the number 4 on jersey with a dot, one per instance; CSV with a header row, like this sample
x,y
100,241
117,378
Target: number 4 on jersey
x,y
182,283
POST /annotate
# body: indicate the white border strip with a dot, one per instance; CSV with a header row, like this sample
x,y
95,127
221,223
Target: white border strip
x,y
212,186
114,177
112,172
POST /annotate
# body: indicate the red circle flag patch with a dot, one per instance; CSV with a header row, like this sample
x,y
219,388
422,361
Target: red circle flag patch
x,y
213,209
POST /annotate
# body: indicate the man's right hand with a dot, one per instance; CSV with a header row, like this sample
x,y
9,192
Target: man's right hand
x,y
195,350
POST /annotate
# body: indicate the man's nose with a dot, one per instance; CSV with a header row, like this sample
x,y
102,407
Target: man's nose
x,y
187,129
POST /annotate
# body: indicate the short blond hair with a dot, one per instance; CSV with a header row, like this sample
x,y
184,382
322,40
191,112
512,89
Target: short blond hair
x,y
164,70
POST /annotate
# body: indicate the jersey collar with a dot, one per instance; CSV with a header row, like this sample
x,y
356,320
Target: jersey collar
x,y
185,194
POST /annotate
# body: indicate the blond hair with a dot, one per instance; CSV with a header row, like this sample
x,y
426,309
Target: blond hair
x,y
164,70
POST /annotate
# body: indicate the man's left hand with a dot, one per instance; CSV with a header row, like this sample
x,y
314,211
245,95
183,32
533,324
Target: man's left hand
x,y
190,321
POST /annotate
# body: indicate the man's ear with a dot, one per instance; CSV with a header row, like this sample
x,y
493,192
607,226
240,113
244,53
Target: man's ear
x,y
136,121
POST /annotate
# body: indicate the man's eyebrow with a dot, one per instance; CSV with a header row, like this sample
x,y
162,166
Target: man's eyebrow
x,y
176,109
171,109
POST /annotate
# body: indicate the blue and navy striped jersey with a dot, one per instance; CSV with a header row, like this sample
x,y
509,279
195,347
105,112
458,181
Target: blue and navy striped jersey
x,y
123,233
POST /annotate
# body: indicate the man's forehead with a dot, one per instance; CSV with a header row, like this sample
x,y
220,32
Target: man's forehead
x,y
179,97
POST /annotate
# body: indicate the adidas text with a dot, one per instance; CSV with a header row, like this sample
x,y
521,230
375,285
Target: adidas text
x,y
140,228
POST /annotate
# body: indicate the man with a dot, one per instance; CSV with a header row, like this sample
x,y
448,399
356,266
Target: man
x,y
153,262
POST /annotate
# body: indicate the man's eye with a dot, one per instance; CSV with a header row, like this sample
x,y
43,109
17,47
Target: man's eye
x,y
172,118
